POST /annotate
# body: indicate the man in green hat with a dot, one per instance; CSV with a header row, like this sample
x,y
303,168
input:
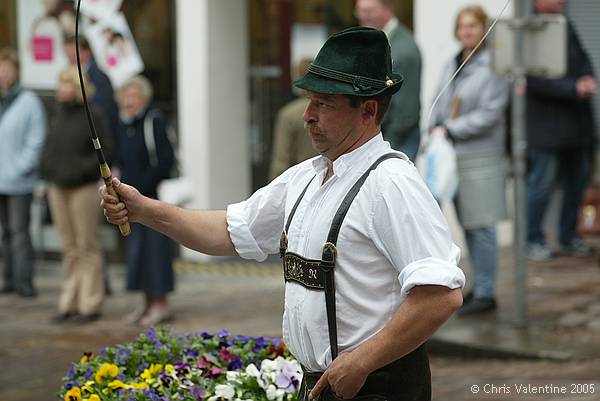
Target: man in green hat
x,y
370,268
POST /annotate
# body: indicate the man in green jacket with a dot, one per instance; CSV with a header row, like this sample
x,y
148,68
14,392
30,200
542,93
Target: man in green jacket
x,y
401,124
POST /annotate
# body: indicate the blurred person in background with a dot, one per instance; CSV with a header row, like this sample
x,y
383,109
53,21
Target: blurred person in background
x,y
560,144
401,124
472,113
145,157
103,98
70,166
291,142
22,132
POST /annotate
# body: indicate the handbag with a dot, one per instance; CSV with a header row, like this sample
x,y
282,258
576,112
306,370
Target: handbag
x,y
437,165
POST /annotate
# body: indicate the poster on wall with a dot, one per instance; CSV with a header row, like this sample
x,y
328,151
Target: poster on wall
x,y
42,26
114,48
100,9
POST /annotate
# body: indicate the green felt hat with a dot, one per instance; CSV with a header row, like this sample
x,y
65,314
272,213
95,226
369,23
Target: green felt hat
x,y
355,61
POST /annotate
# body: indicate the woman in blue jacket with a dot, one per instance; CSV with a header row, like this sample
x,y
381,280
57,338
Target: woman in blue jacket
x,y
145,157
22,132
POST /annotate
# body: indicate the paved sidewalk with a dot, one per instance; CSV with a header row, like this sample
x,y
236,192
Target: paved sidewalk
x,y
563,314
564,326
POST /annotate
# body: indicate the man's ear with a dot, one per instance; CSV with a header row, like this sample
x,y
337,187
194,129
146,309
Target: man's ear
x,y
369,110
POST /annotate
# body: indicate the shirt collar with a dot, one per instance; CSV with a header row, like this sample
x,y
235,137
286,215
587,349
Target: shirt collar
x,y
351,159
389,27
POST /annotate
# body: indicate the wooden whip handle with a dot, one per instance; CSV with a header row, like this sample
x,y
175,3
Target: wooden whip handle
x,y
107,177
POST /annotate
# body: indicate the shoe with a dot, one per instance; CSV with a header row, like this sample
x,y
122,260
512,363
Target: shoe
x,y
92,317
578,248
478,305
539,252
64,317
135,316
156,316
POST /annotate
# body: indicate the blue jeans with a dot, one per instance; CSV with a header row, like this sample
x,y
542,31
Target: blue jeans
x,y
17,250
545,167
483,252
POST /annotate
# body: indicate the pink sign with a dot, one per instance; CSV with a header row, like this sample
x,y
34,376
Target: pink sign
x,y
43,49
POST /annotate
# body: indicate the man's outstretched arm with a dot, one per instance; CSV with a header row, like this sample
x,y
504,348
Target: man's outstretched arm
x,y
203,231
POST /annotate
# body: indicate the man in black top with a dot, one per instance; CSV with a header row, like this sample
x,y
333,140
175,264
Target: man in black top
x,y
560,135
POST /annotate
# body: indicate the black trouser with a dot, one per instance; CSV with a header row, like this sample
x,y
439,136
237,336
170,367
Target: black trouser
x,y
407,379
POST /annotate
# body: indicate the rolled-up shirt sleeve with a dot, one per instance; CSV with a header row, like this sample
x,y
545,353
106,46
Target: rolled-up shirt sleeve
x,y
255,225
409,228
432,271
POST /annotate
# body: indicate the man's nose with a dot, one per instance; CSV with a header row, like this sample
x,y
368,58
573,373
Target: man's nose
x,y
309,113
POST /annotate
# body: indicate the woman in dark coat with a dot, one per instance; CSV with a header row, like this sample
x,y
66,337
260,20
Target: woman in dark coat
x,y
145,157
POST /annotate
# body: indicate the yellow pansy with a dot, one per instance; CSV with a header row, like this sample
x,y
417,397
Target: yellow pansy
x,y
87,387
153,371
74,394
139,386
93,397
107,371
117,384
86,357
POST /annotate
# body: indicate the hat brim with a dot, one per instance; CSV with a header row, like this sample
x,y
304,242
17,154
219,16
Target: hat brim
x,y
317,83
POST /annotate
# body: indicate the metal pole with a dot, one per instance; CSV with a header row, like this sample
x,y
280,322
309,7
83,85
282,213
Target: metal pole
x,y
519,154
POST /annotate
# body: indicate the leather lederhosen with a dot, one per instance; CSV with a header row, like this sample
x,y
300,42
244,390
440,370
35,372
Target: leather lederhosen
x,y
406,379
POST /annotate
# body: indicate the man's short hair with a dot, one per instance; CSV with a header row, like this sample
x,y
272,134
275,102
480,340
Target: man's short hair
x,y
83,42
383,104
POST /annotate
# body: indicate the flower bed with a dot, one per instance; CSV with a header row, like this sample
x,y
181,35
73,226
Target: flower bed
x,y
161,366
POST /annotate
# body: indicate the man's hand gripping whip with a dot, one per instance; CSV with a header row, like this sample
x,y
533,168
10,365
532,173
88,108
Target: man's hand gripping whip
x,y
104,169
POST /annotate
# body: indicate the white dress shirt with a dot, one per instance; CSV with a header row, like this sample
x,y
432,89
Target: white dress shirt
x,y
393,238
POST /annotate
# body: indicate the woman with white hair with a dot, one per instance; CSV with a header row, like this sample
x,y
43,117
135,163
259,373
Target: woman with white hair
x,y
70,166
145,157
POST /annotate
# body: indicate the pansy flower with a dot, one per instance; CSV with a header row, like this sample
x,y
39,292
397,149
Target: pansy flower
x,y
74,394
106,371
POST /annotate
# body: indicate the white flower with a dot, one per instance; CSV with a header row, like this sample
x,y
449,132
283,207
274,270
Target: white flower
x,y
225,391
233,376
273,393
251,370
268,365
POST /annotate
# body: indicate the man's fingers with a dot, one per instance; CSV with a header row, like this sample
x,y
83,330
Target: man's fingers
x,y
107,198
320,386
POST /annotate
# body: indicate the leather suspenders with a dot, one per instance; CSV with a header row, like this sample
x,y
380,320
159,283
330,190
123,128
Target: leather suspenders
x,y
319,274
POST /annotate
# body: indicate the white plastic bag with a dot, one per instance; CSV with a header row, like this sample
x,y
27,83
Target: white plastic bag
x,y
437,165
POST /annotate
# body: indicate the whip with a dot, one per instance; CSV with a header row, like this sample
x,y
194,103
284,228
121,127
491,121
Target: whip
x,y
104,169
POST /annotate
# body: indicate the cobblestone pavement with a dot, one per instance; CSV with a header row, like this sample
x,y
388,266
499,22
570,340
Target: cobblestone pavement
x,y
35,354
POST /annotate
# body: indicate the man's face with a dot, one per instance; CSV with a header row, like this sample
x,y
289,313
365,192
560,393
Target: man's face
x,y
372,13
8,75
333,124
550,6
71,52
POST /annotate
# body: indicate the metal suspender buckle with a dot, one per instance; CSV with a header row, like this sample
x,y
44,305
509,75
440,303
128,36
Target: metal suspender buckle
x,y
328,257
283,244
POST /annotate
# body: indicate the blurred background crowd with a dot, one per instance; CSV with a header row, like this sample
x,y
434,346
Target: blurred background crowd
x,y
198,95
